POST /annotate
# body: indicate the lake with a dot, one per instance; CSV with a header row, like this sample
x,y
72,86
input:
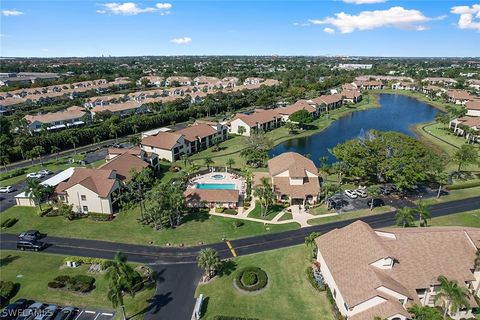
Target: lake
x,y
396,113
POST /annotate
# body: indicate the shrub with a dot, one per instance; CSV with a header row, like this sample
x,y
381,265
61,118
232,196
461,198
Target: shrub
x,y
62,278
9,222
104,263
465,185
13,173
249,278
313,281
7,289
56,285
230,211
81,283
237,224
45,211
247,275
99,216
219,210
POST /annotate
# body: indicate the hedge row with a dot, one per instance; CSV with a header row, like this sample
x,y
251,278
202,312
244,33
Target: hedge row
x,y
7,289
104,263
13,173
244,277
9,222
313,281
79,283
99,216
464,185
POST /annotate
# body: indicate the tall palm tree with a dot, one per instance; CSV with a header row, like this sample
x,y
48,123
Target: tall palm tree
x,y
405,217
423,212
454,295
230,162
38,150
36,191
73,140
120,278
208,161
55,150
209,261
310,242
265,195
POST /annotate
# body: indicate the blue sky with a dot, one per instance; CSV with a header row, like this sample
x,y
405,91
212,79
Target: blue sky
x,y
340,27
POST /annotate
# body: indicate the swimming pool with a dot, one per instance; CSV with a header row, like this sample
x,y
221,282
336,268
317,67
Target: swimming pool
x,y
216,186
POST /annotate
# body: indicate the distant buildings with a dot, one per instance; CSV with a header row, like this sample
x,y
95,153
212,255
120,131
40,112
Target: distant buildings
x,y
260,120
25,78
354,66
72,116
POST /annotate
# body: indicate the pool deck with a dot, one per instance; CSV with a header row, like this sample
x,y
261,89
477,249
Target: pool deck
x,y
228,178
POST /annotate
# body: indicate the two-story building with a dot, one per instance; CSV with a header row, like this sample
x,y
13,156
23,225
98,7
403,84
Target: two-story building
x,y
381,273
72,116
258,121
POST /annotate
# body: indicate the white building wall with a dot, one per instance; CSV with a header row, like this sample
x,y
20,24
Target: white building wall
x,y
237,123
473,113
92,200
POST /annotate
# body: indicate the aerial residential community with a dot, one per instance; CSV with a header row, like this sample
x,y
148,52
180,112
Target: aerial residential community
x,y
238,160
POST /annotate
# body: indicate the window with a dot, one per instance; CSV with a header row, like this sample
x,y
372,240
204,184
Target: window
x,y
85,208
83,197
334,293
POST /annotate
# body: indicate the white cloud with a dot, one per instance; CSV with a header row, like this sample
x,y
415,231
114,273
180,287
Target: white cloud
x,y
11,13
364,1
44,50
184,40
397,17
329,30
469,16
301,24
164,6
132,8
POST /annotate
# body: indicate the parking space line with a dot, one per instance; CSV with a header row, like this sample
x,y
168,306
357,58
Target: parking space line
x,y
88,311
231,249
79,314
107,314
98,315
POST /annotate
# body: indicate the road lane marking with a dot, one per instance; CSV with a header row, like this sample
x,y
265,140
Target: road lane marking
x,y
231,249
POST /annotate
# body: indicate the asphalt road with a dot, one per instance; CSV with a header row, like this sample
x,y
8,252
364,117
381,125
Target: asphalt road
x,y
177,266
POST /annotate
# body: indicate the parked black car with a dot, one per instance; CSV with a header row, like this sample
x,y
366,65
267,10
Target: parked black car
x,y
30,235
376,202
34,245
66,313
13,310
32,311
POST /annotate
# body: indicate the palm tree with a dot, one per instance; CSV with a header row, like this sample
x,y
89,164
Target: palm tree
x,y
454,295
466,154
73,140
230,162
405,217
265,195
4,160
423,212
55,150
241,130
114,131
310,242
36,191
373,191
38,150
208,161
30,155
120,278
209,260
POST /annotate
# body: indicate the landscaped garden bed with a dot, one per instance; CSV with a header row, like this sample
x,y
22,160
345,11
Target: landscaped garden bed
x,y
251,279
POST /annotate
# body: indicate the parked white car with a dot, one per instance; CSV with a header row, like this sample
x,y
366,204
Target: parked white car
x,y
351,194
45,172
35,175
7,189
361,193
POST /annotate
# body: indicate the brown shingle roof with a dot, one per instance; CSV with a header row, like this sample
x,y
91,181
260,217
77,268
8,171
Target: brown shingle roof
x,y
259,117
421,255
100,181
328,99
129,105
460,95
197,131
297,106
473,105
68,114
295,163
162,140
124,164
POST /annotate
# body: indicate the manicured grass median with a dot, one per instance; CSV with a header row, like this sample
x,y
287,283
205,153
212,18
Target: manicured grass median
x,y
467,219
350,215
34,270
288,294
125,228
272,212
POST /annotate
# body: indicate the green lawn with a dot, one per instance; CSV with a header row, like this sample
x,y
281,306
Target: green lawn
x,y
454,195
288,295
437,102
272,212
467,219
33,271
199,227
349,215
286,216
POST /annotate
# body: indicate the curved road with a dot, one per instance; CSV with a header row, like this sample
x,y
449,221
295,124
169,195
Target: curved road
x,y
177,266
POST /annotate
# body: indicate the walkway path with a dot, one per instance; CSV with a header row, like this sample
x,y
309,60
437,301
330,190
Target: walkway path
x,y
299,215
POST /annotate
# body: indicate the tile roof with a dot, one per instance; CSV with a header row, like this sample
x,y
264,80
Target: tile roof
x,y
259,117
162,140
67,114
124,164
100,181
473,105
420,255
297,106
295,163
197,131
129,105
460,95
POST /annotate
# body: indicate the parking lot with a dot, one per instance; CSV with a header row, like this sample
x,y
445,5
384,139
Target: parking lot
x,y
92,314
395,200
